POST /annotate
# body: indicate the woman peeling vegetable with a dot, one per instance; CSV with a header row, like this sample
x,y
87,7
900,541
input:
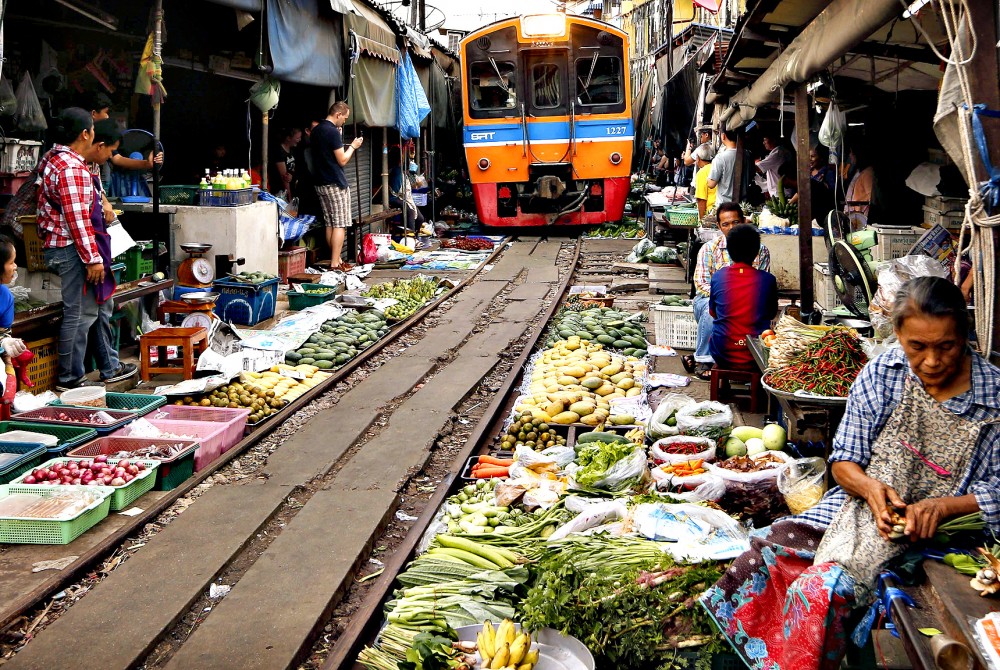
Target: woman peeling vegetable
x,y
919,444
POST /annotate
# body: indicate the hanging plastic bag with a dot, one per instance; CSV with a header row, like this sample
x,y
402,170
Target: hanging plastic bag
x,y
660,424
831,132
706,419
802,482
29,115
265,93
8,101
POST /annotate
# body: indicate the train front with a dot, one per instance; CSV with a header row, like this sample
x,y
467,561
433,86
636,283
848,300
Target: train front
x,y
548,123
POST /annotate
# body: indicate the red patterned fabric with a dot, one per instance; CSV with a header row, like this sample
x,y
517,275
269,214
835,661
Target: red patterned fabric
x,y
64,201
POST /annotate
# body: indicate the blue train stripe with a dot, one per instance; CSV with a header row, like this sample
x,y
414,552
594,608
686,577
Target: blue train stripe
x,y
548,132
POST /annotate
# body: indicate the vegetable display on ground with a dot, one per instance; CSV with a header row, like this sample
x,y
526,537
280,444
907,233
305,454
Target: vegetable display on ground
x,y
411,294
604,325
339,340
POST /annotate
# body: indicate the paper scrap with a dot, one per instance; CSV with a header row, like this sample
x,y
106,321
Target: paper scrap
x,y
666,379
930,632
57,564
132,511
218,590
403,516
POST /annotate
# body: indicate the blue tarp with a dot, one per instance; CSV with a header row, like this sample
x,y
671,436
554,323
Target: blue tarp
x,y
411,101
305,48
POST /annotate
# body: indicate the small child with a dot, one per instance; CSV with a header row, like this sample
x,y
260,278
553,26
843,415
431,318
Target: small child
x,y
8,275
743,301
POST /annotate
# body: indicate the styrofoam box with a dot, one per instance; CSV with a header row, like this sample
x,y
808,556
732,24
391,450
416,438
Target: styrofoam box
x,y
825,294
30,437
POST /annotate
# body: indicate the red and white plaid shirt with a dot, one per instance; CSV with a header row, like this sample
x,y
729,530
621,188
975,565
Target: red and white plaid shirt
x,y
67,181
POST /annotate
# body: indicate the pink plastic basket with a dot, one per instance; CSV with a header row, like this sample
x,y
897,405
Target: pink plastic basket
x,y
211,436
235,420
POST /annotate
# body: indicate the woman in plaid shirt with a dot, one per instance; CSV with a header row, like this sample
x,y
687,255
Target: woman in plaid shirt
x,y
65,198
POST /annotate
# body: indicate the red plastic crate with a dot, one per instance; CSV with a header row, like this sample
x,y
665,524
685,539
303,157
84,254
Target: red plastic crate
x,y
169,475
210,435
291,262
234,419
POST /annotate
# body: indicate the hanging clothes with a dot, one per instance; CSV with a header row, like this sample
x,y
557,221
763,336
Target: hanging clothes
x,y
411,100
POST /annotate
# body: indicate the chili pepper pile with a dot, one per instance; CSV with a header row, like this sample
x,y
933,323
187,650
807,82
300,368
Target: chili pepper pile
x,y
685,468
827,367
467,244
684,448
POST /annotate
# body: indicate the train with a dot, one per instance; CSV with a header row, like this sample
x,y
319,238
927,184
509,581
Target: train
x,y
548,130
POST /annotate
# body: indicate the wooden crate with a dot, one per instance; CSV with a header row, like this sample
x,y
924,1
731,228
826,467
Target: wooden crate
x,y
667,279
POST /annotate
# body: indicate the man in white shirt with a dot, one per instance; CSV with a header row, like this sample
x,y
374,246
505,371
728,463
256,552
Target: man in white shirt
x,y
721,176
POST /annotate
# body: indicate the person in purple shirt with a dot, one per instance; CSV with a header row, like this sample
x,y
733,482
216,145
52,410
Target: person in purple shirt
x,y
743,301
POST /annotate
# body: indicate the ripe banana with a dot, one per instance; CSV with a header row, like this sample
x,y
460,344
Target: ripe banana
x,y
489,638
505,633
519,648
484,650
531,657
503,655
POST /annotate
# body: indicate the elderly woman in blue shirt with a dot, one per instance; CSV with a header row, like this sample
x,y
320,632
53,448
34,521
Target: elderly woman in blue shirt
x,y
919,443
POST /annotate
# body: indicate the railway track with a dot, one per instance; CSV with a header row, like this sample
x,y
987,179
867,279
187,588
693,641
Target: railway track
x,y
290,539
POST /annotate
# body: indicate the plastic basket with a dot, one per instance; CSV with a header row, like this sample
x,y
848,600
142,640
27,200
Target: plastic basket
x,y
675,326
949,219
682,216
179,195
291,262
118,270
43,370
122,496
172,471
297,300
210,437
138,261
42,531
894,242
33,250
825,292
19,155
30,456
77,416
420,197
231,198
139,403
234,420
68,436
245,304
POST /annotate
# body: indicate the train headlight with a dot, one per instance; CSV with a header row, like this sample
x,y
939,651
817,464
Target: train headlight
x,y
615,158
484,163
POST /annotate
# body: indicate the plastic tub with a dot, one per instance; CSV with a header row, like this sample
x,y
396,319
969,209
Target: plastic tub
x,y
235,420
19,530
172,471
66,437
85,396
124,495
211,437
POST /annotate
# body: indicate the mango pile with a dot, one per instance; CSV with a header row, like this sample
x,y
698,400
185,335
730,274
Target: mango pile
x,y
604,325
575,380
280,380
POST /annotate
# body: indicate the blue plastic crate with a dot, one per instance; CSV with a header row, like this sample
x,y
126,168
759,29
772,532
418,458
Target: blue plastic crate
x,y
245,304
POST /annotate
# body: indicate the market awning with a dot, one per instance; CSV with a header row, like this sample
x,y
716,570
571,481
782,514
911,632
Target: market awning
x,y
245,5
372,95
419,43
306,48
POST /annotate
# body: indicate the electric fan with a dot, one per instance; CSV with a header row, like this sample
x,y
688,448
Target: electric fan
x,y
852,278
130,185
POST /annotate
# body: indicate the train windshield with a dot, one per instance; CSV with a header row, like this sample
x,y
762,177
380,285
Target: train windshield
x,y
546,86
599,80
493,86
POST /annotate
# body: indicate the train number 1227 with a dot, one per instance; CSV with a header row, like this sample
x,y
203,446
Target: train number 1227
x,y
617,130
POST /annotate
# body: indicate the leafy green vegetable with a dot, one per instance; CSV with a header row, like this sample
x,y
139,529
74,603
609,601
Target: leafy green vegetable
x,y
596,458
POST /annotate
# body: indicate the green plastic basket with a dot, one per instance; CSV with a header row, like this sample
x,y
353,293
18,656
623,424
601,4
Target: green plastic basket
x,y
138,261
171,475
68,436
122,496
298,301
139,403
42,531
682,216
179,195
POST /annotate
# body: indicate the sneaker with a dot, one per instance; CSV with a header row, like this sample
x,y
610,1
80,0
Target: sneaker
x,y
124,371
79,383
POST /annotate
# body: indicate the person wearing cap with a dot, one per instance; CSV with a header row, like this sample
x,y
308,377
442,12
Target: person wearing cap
x,y
704,137
703,195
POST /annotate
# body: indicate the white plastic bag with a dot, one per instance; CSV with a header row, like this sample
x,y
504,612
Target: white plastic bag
x,y
591,517
559,457
8,101
768,475
29,115
711,489
891,277
666,481
661,456
715,425
639,251
668,406
831,132
694,532
631,468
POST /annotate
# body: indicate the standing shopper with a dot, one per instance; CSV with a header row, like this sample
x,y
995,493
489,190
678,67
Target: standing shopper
x,y
723,170
65,199
329,159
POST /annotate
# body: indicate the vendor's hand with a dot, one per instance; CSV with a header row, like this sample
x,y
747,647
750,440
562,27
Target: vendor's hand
x,y
13,346
357,142
95,272
882,500
158,159
923,518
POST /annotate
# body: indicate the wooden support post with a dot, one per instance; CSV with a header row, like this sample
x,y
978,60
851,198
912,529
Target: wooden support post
x,y
805,201
263,152
738,167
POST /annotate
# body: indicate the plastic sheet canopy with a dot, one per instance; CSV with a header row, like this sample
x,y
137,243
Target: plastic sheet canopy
x,y
305,47
410,98
372,95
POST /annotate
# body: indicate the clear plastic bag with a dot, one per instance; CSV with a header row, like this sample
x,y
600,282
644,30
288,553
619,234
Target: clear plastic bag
x,y
715,425
890,278
559,457
639,251
631,468
831,132
668,407
593,516
802,482
29,115
661,456
8,101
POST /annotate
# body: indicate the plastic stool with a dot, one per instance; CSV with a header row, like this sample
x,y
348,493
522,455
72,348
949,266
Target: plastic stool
x,y
188,339
721,394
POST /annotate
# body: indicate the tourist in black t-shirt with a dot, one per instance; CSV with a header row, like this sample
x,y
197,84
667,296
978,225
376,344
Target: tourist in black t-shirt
x,y
282,163
329,156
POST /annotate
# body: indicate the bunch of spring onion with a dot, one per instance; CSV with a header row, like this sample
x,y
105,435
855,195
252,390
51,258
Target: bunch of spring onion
x,y
973,522
791,337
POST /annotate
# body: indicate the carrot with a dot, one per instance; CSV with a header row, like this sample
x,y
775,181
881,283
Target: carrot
x,y
487,473
491,460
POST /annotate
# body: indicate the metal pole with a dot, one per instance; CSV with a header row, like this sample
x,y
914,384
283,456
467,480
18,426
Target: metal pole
x,y
263,152
805,202
385,169
157,55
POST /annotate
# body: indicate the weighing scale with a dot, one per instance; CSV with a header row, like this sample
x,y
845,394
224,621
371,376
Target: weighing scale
x,y
191,297
195,271
197,307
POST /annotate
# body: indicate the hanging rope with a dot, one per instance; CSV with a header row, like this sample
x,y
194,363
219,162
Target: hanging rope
x,y
976,235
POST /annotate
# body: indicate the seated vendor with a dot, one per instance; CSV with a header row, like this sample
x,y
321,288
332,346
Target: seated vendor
x,y
743,301
711,258
919,439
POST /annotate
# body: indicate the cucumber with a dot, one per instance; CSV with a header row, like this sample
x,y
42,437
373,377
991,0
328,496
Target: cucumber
x,y
600,436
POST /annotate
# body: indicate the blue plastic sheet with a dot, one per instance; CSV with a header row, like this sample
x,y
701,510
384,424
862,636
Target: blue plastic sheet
x,y
305,48
411,101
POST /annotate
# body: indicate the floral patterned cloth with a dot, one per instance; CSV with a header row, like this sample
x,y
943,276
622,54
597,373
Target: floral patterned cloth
x,y
777,609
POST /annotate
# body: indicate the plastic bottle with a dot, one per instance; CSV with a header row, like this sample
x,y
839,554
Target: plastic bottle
x,y
205,186
246,179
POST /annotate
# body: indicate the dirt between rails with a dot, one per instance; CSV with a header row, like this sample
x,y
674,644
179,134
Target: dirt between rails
x,y
420,488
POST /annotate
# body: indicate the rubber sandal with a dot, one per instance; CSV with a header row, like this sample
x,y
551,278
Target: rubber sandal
x,y
704,372
689,363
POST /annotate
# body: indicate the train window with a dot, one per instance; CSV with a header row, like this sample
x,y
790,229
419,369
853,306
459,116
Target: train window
x,y
492,86
545,85
599,80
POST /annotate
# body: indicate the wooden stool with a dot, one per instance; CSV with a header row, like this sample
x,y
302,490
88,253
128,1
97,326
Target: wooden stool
x,y
188,339
720,394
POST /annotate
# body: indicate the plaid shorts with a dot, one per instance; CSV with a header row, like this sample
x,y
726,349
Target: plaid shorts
x,y
336,205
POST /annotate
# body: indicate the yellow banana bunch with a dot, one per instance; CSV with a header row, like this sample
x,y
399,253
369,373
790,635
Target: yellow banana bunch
x,y
505,633
503,648
519,649
500,660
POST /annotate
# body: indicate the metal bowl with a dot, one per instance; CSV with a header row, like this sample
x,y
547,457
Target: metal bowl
x,y
199,297
195,247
